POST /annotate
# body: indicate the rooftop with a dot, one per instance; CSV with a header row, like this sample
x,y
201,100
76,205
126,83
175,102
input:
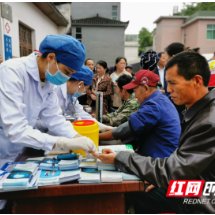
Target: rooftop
x,y
99,21
170,17
52,12
199,15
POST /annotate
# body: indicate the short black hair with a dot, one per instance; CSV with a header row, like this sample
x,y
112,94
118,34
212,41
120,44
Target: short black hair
x,y
122,81
160,53
104,65
174,48
85,62
190,64
119,59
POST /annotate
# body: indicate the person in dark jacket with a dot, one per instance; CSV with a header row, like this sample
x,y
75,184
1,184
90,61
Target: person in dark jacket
x,y
188,76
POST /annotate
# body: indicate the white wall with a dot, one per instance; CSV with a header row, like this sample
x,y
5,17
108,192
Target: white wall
x,y
29,15
131,51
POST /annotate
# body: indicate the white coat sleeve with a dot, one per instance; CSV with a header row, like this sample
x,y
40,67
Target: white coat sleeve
x,y
40,126
79,109
12,112
52,118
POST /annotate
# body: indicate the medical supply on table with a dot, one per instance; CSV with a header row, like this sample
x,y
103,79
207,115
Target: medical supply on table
x,y
111,176
118,148
20,176
89,177
104,166
71,156
88,128
88,163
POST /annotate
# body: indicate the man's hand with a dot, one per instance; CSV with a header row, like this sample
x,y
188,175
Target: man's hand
x,y
150,187
107,156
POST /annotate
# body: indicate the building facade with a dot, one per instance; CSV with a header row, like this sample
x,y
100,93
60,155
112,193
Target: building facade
x,y
196,31
24,25
97,25
131,47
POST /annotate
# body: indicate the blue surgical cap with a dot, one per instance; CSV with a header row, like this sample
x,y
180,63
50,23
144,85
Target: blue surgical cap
x,y
149,60
85,75
68,50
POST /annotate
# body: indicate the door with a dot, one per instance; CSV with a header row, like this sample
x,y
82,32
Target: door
x,y
25,41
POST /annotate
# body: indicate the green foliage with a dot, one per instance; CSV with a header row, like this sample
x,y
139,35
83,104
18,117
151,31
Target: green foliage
x,y
192,7
145,39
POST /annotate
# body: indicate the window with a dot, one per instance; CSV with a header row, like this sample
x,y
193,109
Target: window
x,y
131,37
114,13
210,32
78,34
25,41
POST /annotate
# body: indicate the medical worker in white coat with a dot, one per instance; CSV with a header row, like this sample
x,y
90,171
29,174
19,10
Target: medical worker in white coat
x,y
68,93
26,94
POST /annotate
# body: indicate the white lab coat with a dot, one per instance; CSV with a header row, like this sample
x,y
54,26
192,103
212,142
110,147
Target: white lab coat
x,y
22,102
66,102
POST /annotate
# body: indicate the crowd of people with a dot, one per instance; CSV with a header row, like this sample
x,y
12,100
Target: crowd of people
x,y
165,111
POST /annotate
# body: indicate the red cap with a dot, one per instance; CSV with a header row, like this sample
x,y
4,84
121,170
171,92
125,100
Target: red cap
x,y
143,77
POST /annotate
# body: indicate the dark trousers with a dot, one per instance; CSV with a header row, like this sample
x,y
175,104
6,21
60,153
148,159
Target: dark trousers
x,y
154,202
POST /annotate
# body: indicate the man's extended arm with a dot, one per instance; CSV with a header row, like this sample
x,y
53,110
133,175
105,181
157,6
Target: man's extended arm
x,y
194,156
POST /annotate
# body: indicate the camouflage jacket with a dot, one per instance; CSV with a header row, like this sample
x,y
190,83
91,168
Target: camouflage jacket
x,y
123,113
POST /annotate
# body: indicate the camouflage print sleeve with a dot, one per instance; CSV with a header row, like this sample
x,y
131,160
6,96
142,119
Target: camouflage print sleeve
x,y
105,119
124,115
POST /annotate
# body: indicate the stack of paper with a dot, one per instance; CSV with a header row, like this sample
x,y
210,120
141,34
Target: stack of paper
x,y
111,176
34,160
20,176
117,148
88,163
68,164
89,177
49,164
126,176
57,151
49,177
105,166
69,175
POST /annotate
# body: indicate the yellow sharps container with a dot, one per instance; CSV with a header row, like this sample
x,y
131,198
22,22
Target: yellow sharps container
x,y
88,128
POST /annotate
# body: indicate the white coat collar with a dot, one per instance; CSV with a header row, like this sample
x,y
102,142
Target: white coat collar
x,y
63,89
32,67
33,70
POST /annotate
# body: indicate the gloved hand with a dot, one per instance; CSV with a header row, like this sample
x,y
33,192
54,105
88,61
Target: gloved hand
x,y
83,143
103,127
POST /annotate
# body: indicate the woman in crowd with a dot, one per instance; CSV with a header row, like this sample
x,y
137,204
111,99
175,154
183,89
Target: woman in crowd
x,y
120,65
102,83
